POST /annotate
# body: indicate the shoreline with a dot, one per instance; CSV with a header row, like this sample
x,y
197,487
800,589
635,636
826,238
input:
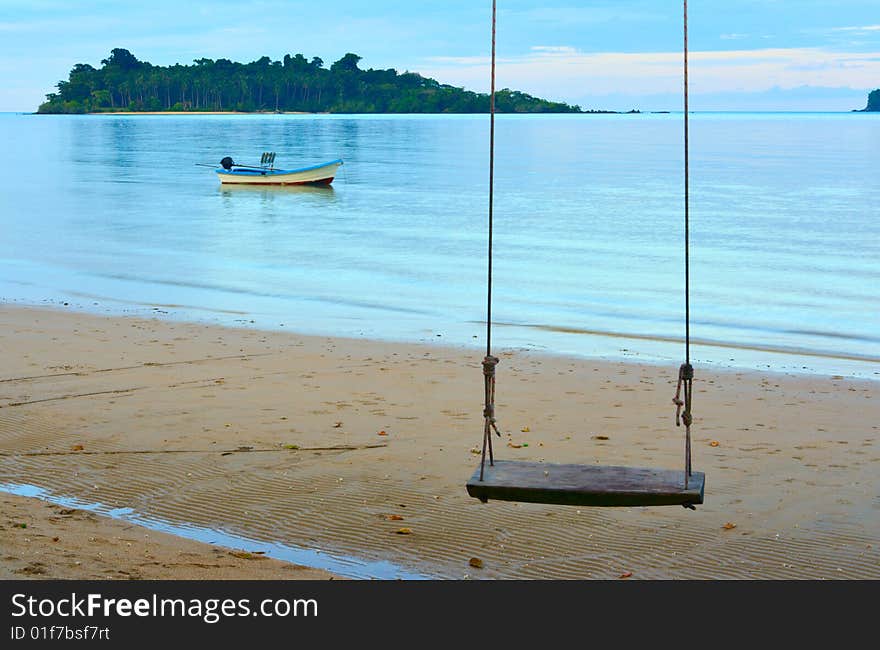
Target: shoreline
x,y
674,113
362,439
203,113
710,354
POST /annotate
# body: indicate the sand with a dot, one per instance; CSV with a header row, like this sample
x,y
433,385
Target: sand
x,y
47,541
360,449
203,113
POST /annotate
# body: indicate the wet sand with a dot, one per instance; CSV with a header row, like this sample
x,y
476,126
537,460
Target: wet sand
x,y
47,541
361,449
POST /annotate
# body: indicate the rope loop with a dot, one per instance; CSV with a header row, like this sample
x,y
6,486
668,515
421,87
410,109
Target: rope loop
x,y
683,415
489,364
685,384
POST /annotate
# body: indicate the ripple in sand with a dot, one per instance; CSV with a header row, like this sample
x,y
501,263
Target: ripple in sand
x,y
344,566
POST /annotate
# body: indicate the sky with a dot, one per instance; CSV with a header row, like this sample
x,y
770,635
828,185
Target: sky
x,y
603,54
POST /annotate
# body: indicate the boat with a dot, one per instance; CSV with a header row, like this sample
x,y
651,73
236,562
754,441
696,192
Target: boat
x,y
232,173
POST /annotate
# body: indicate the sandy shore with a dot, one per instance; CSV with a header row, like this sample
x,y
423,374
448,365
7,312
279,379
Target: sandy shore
x,y
203,113
361,450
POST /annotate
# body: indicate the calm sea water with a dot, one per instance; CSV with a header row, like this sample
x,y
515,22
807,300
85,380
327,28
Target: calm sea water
x,y
111,213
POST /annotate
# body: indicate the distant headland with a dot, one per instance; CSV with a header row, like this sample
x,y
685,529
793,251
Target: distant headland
x,y
293,85
873,103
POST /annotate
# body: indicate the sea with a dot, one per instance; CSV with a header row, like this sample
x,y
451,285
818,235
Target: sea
x,y
123,214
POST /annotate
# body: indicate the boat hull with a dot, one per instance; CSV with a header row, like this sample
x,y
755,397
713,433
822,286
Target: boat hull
x,y
318,175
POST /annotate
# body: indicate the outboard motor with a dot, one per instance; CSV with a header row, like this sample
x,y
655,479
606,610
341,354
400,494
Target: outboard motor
x,y
227,163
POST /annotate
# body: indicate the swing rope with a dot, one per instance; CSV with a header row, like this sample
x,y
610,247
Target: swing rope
x,y
686,371
490,362
684,392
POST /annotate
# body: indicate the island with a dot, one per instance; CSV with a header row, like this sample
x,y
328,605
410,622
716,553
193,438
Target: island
x,y
295,84
873,102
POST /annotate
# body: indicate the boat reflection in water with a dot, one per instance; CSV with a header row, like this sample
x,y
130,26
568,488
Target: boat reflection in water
x,y
277,194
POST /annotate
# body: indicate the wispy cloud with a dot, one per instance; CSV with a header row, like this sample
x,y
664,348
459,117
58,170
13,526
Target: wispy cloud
x,y
582,16
554,49
862,29
562,72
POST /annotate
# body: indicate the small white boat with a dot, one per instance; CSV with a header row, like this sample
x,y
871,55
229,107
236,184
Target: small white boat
x,y
266,174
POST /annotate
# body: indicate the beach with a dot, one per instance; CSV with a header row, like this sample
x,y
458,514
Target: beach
x,y
201,113
358,451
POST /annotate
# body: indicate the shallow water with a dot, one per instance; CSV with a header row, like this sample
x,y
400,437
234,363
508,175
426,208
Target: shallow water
x,y
345,566
110,213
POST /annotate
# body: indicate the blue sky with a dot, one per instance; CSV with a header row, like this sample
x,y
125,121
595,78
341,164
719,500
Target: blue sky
x,y
622,54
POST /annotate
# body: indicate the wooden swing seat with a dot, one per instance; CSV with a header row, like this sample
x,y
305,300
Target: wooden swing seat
x,y
585,485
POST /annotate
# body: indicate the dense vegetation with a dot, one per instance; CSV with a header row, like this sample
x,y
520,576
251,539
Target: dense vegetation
x,y
293,84
873,101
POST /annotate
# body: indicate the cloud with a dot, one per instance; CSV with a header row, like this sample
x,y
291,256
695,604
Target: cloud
x,y
862,29
584,16
564,73
554,49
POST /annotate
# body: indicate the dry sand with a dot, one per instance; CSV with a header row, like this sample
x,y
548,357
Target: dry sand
x,y
279,438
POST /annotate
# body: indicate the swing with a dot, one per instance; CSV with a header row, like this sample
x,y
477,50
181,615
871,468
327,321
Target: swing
x,y
587,485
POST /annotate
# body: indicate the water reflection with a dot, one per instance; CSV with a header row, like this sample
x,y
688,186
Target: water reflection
x,y
274,191
236,196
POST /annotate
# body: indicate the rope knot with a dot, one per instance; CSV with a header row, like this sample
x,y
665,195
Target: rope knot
x,y
686,385
686,371
685,380
489,364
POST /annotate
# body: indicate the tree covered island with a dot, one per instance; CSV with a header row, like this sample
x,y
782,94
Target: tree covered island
x,y
873,102
294,84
